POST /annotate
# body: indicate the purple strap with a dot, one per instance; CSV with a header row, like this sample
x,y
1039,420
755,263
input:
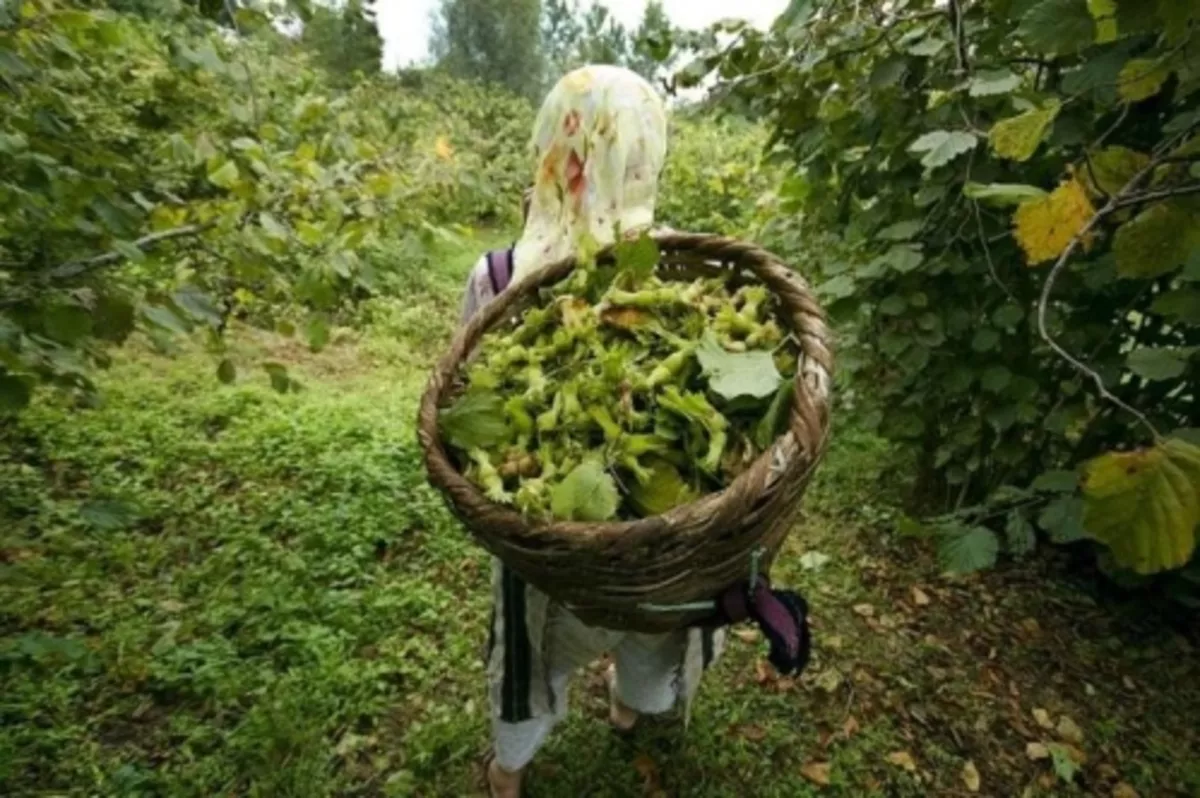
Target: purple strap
x,y
499,269
782,615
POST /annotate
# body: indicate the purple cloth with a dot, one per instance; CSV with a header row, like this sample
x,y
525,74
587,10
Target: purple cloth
x,y
782,615
490,275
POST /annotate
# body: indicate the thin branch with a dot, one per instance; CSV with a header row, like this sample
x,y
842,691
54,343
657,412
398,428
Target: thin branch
x,y
229,8
76,268
954,8
1112,129
987,253
1151,196
1048,289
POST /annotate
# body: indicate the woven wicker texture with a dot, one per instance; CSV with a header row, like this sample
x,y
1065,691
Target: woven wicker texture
x,y
607,573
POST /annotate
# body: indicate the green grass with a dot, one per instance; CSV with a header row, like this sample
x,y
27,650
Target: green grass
x,y
288,610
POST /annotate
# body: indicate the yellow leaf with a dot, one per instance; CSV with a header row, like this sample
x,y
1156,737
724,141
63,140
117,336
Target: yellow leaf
x,y
1018,137
443,149
904,760
970,776
817,773
1112,168
1145,505
1044,227
1141,78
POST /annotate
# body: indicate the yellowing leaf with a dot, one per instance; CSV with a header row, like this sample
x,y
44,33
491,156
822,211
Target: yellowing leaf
x,y
443,149
1141,78
1044,227
970,776
1145,505
1110,169
904,760
1156,241
1105,14
1018,137
664,490
225,176
817,773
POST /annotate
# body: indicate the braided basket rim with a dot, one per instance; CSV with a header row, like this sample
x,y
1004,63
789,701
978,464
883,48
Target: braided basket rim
x,y
767,490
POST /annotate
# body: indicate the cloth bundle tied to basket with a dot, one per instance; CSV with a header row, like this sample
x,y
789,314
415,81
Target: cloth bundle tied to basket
x,y
664,572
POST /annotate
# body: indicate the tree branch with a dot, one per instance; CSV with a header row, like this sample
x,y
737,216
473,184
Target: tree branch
x,y
76,268
1151,196
1048,289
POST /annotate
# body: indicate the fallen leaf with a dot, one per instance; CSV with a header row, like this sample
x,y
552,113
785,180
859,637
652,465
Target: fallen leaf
x,y
762,672
834,642
752,732
1037,751
829,680
920,597
746,634
817,773
903,759
850,726
1067,760
1042,717
647,768
865,610
1031,626
1076,755
970,776
813,560
1124,790
1069,731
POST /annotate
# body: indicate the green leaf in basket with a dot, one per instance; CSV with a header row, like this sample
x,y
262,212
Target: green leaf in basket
x,y
664,490
638,257
732,375
476,420
775,421
587,494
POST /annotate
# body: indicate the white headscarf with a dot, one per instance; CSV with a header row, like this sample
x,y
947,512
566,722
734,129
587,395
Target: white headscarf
x,y
600,141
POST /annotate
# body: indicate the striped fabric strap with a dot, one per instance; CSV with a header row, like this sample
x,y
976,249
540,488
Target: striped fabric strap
x,y
500,263
518,654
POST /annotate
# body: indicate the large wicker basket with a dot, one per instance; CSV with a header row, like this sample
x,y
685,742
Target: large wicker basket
x,y
623,575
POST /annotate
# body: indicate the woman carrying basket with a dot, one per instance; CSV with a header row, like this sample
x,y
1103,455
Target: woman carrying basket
x,y
600,141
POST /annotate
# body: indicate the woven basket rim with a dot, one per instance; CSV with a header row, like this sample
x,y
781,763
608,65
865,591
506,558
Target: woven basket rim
x,y
679,520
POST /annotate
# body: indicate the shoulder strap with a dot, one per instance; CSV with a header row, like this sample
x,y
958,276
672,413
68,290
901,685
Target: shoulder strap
x,y
500,269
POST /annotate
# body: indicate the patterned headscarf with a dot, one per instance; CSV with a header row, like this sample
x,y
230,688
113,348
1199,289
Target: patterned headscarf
x,y
600,141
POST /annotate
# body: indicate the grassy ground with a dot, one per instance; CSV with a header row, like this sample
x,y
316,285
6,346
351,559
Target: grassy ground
x,y
221,590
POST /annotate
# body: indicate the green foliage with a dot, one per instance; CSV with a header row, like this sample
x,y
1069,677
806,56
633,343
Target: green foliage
x,y
345,40
1092,123
715,179
574,35
491,41
164,175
